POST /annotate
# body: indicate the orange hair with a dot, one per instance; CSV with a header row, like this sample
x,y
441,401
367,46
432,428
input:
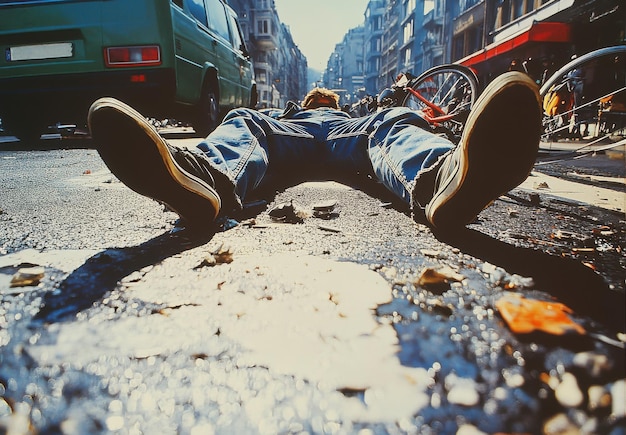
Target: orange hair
x,y
321,97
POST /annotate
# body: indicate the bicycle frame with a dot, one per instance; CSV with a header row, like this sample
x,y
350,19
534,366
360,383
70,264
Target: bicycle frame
x,y
431,119
443,96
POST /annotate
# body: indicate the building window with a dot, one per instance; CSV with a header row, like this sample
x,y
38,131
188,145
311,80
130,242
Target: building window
x,y
375,45
409,7
374,65
503,14
376,23
439,6
530,6
261,76
466,4
407,56
262,27
407,31
429,5
475,42
518,9
458,47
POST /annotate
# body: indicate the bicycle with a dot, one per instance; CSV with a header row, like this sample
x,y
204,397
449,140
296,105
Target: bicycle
x,y
443,94
589,91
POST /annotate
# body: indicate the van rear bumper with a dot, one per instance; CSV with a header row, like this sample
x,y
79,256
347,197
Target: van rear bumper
x,y
70,95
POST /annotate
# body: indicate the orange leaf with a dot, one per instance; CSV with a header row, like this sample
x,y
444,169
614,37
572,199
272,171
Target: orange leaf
x,y
527,315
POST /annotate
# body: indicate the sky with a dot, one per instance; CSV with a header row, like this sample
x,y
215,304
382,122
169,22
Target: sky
x,y
318,25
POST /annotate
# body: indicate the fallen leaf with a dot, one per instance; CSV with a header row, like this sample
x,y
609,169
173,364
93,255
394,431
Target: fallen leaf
x,y
222,255
527,315
27,276
432,276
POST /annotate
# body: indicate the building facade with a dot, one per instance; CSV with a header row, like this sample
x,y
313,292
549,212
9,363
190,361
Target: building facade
x,y
345,68
539,35
280,67
372,44
390,41
489,36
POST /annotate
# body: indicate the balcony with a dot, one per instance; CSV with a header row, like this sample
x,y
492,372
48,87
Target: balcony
x,y
264,65
432,21
264,41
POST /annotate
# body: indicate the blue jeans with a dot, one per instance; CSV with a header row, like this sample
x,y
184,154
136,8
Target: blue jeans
x,y
392,146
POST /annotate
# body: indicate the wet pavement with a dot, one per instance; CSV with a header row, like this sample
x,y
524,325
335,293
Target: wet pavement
x,y
360,320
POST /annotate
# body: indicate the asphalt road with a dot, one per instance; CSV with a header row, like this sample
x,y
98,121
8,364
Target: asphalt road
x,y
362,322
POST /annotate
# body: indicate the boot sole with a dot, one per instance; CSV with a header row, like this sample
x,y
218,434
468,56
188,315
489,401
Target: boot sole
x,y
135,153
494,161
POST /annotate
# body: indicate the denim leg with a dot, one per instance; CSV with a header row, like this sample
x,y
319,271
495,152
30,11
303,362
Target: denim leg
x,y
346,146
243,145
395,145
392,145
404,154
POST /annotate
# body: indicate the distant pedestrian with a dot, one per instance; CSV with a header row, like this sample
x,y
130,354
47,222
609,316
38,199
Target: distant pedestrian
x,y
575,84
547,67
447,184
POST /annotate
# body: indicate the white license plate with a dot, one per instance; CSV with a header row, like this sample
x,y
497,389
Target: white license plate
x,y
40,51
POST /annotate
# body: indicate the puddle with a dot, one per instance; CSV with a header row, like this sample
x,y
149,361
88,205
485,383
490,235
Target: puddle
x,y
301,316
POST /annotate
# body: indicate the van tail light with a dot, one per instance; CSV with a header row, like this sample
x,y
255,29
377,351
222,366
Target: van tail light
x,y
143,55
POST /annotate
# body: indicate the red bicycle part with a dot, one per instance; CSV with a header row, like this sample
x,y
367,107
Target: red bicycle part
x,y
424,100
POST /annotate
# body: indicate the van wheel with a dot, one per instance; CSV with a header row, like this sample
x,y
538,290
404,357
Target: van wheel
x,y
207,117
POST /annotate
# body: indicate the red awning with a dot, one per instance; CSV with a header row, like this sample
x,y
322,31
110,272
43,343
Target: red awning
x,y
538,32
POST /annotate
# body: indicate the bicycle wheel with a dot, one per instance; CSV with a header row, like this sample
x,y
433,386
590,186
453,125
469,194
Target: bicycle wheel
x,y
586,98
445,94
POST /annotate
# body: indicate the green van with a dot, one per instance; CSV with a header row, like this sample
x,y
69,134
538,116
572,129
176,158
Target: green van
x,y
184,59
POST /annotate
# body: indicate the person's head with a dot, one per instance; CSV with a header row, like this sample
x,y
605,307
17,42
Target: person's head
x,y
320,97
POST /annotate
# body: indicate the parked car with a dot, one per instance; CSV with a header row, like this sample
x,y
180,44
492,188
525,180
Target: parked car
x,y
181,58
